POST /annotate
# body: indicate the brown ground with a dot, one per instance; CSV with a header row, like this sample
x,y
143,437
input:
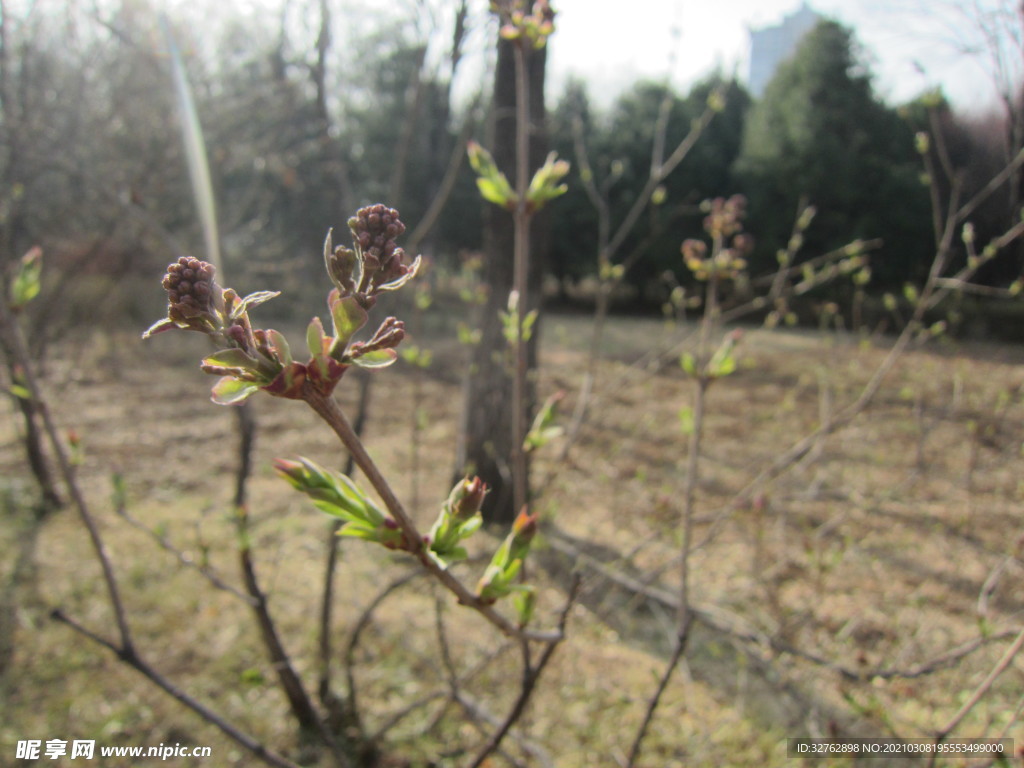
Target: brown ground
x,y
894,542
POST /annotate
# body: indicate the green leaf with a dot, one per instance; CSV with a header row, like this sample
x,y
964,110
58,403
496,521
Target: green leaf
x,y
27,281
119,494
159,327
231,391
316,339
348,317
231,358
686,420
688,363
471,526
722,365
378,358
253,677
469,337
359,531
334,509
524,600
280,343
252,300
495,192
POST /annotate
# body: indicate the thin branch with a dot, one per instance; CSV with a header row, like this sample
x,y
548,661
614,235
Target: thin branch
x,y
659,171
531,674
326,627
331,413
183,558
980,691
679,648
521,267
994,184
20,354
129,657
451,174
361,624
684,611
735,627
299,701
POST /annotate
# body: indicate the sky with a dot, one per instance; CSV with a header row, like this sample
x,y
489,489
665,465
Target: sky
x,y
907,44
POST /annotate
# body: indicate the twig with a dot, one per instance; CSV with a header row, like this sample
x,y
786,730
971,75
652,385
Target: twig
x,y
20,354
735,627
331,413
979,693
301,705
684,617
183,558
128,656
531,674
521,267
326,629
361,624
679,648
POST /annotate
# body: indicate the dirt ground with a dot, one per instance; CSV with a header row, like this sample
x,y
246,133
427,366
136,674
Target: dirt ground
x,y
877,582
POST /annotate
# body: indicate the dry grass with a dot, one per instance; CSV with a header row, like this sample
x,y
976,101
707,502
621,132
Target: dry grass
x,y
870,555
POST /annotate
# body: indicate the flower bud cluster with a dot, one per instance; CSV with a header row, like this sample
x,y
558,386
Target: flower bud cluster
x,y
731,245
194,300
252,358
535,26
376,263
724,216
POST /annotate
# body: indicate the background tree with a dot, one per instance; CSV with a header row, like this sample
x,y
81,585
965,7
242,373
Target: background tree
x,y
485,447
820,134
574,241
618,145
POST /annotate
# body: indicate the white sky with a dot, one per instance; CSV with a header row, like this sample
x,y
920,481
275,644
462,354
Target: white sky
x,y
612,48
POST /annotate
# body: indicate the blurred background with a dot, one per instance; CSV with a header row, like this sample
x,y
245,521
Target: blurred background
x,y
310,108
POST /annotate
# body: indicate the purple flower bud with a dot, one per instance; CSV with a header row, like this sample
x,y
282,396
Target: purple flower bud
x,y
388,336
237,334
190,289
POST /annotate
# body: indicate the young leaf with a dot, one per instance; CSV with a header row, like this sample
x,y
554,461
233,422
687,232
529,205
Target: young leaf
x,y
232,391
348,317
378,358
316,339
280,344
26,283
252,300
231,358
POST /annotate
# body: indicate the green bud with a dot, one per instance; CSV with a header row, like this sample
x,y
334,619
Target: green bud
x,y
27,281
716,101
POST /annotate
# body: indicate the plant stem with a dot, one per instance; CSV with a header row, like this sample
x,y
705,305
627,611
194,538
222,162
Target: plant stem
x,y
19,351
531,674
684,611
521,268
331,412
129,657
980,692
331,564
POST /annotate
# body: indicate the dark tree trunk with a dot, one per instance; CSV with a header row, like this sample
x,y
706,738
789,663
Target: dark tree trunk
x,y
486,445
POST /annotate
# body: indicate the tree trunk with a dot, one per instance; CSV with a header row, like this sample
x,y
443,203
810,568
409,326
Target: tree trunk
x,y
486,444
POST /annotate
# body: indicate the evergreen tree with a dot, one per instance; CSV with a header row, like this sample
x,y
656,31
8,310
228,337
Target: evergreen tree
x,y
820,135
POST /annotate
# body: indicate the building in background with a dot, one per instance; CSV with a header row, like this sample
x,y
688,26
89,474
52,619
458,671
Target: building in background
x,y
770,46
